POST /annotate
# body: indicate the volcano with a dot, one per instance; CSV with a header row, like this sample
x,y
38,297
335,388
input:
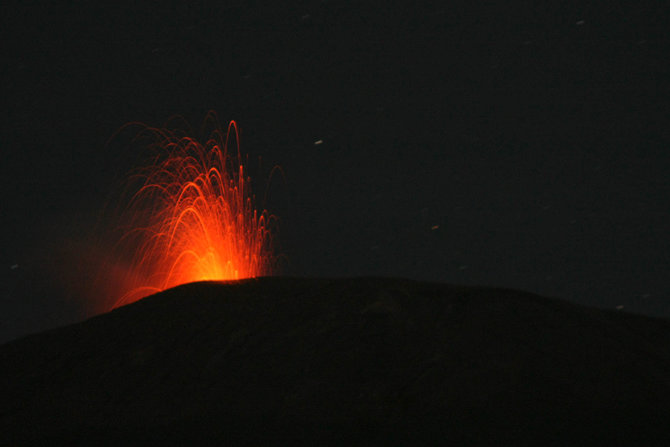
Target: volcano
x,y
365,361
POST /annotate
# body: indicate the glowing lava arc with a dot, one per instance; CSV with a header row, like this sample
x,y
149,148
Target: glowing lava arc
x,y
192,217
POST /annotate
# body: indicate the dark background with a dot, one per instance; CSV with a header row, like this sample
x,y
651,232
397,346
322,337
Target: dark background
x,y
515,144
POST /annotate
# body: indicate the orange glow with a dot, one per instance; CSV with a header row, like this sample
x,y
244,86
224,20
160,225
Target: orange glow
x,y
190,216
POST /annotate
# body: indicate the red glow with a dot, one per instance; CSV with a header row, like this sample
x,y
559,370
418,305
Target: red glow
x,y
190,216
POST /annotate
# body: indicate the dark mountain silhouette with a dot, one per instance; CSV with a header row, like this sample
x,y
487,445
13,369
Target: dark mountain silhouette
x,y
341,362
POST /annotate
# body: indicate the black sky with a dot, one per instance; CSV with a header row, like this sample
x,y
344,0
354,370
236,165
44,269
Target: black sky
x,y
520,144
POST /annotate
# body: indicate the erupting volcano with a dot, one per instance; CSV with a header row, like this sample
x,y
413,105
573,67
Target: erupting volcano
x,y
190,216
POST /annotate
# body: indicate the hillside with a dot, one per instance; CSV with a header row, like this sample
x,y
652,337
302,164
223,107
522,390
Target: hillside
x,y
343,361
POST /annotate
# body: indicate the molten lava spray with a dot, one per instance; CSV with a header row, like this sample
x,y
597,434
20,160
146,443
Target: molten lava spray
x,y
190,216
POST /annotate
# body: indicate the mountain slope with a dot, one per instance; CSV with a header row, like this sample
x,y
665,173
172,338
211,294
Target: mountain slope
x,y
343,361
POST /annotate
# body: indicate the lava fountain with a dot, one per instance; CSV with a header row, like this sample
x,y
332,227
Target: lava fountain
x,y
190,216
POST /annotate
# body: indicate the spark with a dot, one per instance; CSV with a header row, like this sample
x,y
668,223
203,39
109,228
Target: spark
x,y
191,216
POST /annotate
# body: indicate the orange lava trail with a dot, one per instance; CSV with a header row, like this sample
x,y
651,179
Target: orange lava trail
x,y
192,217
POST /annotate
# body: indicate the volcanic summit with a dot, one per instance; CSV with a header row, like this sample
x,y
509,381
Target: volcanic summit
x,y
365,361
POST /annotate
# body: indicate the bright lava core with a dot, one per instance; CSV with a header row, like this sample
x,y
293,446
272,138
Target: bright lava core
x,y
190,216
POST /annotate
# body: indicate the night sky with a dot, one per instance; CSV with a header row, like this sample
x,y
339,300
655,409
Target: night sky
x,y
519,144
